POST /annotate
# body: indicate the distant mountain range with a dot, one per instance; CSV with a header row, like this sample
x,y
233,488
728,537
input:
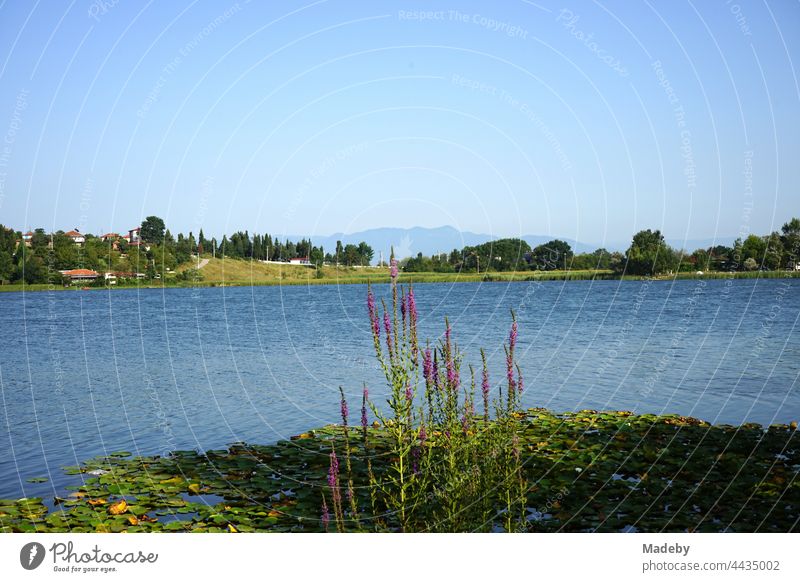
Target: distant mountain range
x,y
407,242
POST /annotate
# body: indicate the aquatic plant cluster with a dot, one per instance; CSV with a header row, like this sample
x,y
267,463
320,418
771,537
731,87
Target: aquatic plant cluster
x,y
448,468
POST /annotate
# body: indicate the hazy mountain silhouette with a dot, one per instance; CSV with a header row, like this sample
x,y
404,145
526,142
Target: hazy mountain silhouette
x,y
408,242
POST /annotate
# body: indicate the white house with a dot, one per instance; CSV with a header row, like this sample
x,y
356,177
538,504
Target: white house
x,y
76,237
133,236
299,261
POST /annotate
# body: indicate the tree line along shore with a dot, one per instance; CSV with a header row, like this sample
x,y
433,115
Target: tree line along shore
x,y
151,256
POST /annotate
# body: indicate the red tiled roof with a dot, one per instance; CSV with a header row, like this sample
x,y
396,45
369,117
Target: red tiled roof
x,y
73,233
78,272
109,235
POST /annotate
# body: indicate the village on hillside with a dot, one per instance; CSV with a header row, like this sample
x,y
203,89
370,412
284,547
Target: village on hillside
x,y
148,252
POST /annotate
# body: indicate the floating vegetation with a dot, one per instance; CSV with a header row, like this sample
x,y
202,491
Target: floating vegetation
x,y
583,471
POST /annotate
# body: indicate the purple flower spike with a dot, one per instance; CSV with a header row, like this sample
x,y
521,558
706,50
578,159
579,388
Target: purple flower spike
x,y
403,307
427,367
512,337
412,306
364,409
373,315
453,378
370,304
387,325
485,387
393,269
344,410
423,435
333,472
326,516
409,393
376,326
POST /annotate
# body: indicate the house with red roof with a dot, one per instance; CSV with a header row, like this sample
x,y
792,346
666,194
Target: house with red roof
x,y
76,236
78,275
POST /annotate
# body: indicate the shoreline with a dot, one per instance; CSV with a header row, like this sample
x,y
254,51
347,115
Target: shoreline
x,y
419,278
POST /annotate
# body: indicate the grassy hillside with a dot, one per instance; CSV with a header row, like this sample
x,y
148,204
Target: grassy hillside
x,y
240,272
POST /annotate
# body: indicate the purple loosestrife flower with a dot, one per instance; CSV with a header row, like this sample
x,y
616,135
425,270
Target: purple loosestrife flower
x,y
485,386
387,325
519,381
469,412
412,305
409,393
333,472
427,367
393,269
412,323
453,378
403,307
512,336
364,408
344,410
510,373
370,303
512,342
423,435
326,516
373,316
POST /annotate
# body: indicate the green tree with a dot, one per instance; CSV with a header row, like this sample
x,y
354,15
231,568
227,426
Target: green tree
x,y
65,252
773,256
550,256
152,230
365,252
339,252
649,254
791,242
6,266
754,247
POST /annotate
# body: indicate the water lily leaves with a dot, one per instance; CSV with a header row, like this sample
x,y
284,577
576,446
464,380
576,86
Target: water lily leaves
x,y
677,474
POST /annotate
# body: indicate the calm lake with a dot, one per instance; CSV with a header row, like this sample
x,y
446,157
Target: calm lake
x,y
88,373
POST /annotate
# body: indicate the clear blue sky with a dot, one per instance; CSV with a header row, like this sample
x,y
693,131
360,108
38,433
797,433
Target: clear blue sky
x,y
316,117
